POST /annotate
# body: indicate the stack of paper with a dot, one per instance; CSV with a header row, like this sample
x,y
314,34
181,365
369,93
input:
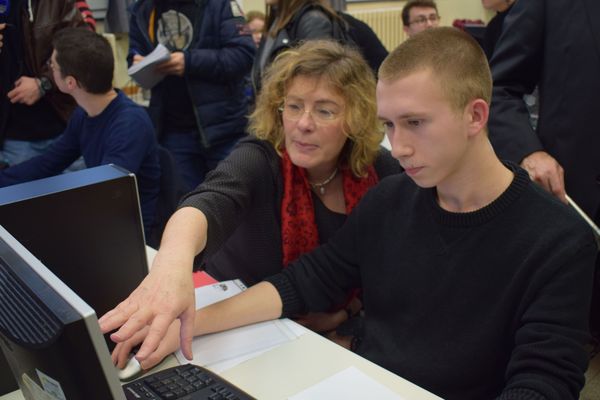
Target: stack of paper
x,y
223,350
144,72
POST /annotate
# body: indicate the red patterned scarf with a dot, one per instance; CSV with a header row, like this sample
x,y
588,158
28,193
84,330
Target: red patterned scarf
x,y
299,233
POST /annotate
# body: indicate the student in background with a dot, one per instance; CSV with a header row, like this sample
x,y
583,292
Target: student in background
x,y
199,109
419,15
33,112
494,28
255,21
476,281
280,194
107,127
288,23
366,40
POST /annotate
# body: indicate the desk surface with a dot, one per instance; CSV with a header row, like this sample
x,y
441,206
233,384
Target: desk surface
x,y
294,366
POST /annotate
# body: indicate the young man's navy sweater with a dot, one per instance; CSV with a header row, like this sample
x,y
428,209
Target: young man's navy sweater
x,y
121,134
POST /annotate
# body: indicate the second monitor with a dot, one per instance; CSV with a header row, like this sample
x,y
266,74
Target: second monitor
x,y
86,227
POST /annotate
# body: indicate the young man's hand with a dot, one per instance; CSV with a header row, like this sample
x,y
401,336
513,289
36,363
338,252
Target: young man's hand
x,y
26,91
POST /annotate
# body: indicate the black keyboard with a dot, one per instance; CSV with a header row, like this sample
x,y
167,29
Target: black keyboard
x,y
186,382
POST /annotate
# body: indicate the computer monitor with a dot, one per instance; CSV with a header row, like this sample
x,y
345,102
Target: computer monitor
x,y
48,334
86,227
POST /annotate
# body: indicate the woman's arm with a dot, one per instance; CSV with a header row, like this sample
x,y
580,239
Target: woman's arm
x,y
167,293
259,303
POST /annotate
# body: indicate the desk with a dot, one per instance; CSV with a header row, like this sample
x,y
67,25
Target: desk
x,y
297,365
294,366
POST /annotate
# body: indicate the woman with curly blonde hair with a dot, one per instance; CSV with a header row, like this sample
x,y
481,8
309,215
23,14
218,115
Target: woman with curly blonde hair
x,y
313,153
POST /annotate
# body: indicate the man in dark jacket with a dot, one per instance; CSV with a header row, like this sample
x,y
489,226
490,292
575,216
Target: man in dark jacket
x,y
32,111
199,108
542,45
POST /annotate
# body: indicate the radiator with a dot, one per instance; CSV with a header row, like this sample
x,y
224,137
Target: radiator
x,y
386,22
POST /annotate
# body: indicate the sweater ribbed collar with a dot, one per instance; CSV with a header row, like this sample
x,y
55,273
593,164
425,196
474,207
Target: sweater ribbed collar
x,y
462,220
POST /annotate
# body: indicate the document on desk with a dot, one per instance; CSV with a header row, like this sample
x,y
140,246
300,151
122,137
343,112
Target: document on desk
x,y
348,384
144,72
223,350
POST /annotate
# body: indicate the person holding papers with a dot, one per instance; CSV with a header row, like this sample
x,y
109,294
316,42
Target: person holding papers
x,y
106,128
314,154
476,281
199,109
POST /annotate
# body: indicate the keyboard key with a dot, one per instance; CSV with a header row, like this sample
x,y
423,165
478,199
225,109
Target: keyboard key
x,y
185,382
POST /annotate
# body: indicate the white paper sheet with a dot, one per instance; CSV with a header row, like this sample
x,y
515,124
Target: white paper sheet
x,y
348,384
224,350
144,72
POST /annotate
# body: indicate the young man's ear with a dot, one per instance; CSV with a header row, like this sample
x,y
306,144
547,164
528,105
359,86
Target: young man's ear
x,y
477,113
71,82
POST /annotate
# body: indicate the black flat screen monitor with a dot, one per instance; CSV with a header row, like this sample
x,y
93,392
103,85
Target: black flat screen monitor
x,y
86,227
48,334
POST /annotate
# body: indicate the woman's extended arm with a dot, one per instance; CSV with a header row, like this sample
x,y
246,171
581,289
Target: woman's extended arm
x,y
167,293
259,303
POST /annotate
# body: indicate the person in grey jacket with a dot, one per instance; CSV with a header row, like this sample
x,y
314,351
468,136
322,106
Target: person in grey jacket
x,y
289,22
199,109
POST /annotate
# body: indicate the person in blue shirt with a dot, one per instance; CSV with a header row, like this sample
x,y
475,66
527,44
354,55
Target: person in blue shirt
x,y
107,127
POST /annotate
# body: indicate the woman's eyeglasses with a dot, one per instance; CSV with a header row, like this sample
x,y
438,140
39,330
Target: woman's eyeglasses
x,y
320,113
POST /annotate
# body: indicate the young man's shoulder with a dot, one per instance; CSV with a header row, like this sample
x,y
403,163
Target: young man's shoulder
x,y
124,105
545,209
126,111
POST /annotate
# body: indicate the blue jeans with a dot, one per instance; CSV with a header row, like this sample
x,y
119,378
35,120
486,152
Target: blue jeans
x,y
193,161
16,151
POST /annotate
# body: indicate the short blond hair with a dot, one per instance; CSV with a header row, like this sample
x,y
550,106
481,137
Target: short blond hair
x,y
344,69
455,59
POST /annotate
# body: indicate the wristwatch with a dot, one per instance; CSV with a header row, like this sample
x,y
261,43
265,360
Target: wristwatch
x,y
45,85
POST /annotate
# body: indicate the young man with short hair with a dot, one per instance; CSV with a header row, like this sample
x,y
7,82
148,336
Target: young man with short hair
x,y
419,15
107,127
476,282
